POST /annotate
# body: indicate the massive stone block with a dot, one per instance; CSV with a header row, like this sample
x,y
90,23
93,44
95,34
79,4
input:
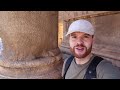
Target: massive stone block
x,y
30,41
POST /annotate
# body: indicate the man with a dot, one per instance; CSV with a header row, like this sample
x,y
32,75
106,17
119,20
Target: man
x,y
81,33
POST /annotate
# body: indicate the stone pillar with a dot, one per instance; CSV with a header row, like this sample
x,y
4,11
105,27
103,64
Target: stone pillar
x,y
30,43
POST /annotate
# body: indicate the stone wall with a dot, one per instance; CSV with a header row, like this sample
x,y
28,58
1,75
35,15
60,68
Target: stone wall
x,y
65,15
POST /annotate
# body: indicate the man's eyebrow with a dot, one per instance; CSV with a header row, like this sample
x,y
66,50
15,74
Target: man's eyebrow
x,y
72,34
87,34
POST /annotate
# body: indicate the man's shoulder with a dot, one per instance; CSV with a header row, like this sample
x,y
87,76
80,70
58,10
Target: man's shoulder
x,y
66,62
107,70
64,65
68,58
105,64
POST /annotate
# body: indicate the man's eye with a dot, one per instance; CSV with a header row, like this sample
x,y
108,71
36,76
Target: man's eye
x,y
73,36
86,36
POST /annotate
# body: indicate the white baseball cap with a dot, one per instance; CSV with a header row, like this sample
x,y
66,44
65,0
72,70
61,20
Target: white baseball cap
x,y
81,26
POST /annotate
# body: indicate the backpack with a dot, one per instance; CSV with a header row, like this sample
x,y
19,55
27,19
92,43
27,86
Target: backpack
x,y
91,70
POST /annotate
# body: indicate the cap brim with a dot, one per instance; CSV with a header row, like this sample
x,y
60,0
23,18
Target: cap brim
x,y
90,33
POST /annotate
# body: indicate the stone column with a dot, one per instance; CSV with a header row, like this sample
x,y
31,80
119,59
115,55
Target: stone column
x,y
30,45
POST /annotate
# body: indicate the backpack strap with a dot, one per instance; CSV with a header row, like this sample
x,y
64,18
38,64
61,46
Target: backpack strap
x,y
91,71
67,64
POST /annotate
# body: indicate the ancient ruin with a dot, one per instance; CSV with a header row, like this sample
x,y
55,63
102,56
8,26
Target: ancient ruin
x,y
34,45
30,43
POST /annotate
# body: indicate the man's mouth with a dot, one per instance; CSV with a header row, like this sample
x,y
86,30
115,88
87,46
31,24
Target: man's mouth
x,y
79,48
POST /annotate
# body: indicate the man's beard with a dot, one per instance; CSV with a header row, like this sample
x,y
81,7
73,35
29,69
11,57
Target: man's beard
x,y
85,50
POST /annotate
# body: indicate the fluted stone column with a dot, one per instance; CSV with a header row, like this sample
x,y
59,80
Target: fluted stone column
x,y
30,43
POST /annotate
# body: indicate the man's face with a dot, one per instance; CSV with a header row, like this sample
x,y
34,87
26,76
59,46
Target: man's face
x,y
80,44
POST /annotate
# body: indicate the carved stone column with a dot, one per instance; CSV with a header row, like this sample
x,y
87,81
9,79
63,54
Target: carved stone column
x,y
30,43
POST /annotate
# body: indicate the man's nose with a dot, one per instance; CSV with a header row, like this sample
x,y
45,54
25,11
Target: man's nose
x,y
80,41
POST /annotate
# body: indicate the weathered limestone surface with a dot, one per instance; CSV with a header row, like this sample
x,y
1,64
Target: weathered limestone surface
x,y
30,40
65,15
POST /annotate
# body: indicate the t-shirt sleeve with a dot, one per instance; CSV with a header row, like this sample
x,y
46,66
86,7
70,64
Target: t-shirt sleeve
x,y
106,70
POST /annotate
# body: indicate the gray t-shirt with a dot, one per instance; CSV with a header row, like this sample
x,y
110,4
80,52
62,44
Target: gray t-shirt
x,y
104,70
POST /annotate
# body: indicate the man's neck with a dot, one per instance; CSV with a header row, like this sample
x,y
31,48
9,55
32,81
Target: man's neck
x,y
83,60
